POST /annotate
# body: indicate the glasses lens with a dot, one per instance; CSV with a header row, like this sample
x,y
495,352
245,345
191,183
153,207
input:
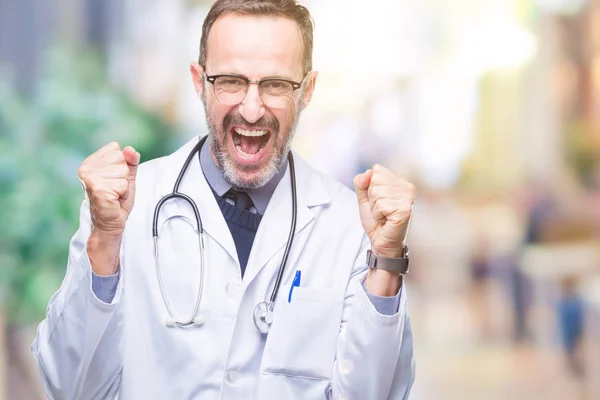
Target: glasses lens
x,y
276,93
230,89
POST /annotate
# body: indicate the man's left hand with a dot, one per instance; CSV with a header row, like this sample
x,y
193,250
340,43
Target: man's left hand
x,y
385,205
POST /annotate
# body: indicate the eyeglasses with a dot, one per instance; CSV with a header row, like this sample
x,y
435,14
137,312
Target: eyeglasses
x,y
273,92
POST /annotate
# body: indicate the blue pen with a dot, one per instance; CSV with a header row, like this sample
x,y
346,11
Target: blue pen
x,y
296,282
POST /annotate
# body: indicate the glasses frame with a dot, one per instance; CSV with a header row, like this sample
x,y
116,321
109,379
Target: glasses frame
x,y
295,86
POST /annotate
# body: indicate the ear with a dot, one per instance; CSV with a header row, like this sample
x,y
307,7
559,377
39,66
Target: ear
x,y
310,82
197,73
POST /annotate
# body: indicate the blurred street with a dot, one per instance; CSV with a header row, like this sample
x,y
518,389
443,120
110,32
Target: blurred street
x,y
467,365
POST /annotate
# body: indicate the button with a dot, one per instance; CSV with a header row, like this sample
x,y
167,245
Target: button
x,y
232,289
345,366
232,378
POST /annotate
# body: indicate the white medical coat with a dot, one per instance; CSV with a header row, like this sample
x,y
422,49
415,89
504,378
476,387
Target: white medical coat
x,y
329,342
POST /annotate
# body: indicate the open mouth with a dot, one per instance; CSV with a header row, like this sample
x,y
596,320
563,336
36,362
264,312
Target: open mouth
x,y
250,143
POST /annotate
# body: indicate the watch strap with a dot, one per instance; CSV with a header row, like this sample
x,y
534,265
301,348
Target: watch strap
x,y
398,265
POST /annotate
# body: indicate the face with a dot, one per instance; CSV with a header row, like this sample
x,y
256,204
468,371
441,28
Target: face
x,y
250,140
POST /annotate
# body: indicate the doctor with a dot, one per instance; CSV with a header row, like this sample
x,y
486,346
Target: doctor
x,y
180,320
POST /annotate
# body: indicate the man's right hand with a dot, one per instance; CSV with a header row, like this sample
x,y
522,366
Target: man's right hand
x,y
108,177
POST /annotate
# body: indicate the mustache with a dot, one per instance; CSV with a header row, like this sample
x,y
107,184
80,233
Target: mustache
x,y
265,122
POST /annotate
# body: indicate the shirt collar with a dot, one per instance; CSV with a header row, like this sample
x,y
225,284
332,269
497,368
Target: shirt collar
x,y
260,196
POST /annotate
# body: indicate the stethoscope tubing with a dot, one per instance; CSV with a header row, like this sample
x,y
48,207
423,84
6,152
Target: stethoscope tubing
x,y
290,240
199,230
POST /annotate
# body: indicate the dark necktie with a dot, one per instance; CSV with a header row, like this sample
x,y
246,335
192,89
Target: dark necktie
x,y
241,199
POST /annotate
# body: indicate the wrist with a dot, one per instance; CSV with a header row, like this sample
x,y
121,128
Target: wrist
x,y
107,235
383,283
396,252
103,252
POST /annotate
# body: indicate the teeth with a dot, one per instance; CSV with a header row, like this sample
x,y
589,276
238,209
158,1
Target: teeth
x,y
244,132
239,148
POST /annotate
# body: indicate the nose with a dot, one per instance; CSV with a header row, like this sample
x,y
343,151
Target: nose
x,y
252,108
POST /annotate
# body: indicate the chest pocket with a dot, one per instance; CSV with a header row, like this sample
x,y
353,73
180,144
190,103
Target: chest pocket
x,y
302,340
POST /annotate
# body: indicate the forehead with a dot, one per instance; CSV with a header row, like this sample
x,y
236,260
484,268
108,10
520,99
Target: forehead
x,y
255,46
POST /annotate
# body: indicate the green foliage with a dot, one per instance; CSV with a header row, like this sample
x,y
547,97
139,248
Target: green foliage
x,y
42,143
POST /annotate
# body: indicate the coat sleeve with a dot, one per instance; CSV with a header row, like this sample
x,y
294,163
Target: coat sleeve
x,y
78,347
374,357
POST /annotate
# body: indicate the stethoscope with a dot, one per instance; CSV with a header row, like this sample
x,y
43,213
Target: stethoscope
x,y
263,312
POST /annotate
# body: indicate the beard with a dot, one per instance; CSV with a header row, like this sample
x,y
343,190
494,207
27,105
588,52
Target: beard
x,y
244,177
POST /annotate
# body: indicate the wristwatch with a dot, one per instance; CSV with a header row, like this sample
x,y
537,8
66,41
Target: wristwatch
x,y
398,265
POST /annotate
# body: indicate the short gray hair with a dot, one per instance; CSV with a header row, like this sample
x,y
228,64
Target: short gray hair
x,y
283,8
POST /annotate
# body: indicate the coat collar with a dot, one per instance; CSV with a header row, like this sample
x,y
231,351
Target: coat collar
x,y
272,234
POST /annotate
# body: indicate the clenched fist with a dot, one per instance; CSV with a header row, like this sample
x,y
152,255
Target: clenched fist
x,y
108,177
385,205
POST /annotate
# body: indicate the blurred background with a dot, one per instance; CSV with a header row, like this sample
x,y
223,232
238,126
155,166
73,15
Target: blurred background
x,y
492,108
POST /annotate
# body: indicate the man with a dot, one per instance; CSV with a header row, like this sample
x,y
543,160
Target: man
x,y
120,323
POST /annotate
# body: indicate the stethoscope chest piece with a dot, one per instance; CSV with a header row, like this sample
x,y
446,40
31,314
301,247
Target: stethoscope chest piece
x,y
263,316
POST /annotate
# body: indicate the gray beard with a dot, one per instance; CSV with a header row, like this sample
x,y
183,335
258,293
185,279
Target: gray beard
x,y
227,166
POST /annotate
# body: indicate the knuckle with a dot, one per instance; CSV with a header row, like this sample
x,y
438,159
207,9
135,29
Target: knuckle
x,y
378,177
121,185
379,169
91,185
82,171
120,157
